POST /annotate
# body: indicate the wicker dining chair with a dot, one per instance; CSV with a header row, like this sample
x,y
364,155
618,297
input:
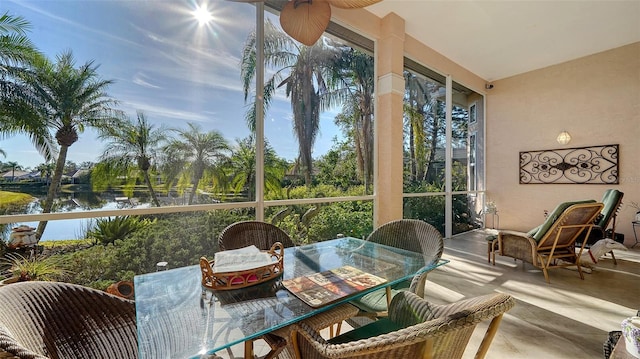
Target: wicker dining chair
x,y
409,234
415,328
40,320
263,235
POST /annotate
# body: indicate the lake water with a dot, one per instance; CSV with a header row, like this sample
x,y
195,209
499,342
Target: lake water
x,y
74,228
79,201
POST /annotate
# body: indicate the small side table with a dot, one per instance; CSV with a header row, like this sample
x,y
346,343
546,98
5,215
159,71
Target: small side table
x,y
620,351
492,241
635,224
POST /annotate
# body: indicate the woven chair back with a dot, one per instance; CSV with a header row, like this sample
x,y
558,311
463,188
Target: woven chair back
x,y
413,235
261,234
61,320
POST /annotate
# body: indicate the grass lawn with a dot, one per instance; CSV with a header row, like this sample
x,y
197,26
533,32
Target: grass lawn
x,y
65,243
12,200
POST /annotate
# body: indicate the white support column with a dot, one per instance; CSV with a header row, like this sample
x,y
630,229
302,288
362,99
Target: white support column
x,y
448,208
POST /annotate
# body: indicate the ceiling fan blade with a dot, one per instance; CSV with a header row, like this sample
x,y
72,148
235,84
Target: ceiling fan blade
x,y
352,4
305,22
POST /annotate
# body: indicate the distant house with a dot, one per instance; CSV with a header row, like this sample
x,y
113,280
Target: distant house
x,y
79,176
19,175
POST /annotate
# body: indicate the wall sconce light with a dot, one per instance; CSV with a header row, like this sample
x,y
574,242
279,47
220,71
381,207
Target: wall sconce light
x,y
563,138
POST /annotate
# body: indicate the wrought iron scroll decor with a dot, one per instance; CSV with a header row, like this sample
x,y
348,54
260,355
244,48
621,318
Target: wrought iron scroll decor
x,y
585,165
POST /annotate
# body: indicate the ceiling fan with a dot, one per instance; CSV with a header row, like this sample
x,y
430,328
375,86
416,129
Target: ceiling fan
x,y
306,20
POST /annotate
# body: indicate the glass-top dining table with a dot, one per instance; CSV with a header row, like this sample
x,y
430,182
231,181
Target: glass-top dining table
x,y
179,318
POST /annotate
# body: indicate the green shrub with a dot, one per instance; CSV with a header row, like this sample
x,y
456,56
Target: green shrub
x,y
92,266
178,238
34,268
352,219
107,231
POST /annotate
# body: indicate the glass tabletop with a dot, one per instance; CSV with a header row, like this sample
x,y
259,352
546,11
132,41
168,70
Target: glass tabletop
x,y
178,318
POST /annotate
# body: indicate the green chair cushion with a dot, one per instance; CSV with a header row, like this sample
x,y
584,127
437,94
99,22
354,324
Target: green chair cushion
x,y
375,301
610,200
380,326
533,232
553,216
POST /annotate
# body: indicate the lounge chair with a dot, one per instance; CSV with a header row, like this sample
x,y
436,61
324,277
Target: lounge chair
x,y
552,244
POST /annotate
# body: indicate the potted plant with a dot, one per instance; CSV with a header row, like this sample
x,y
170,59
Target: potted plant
x,y
490,208
33,268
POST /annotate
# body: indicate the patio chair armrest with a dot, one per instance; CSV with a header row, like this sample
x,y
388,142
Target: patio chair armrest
x,y
491,303
513,233
11,348
518,245
306,340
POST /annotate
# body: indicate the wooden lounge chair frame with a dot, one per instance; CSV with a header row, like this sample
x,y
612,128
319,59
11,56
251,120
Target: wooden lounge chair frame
x,y
557,247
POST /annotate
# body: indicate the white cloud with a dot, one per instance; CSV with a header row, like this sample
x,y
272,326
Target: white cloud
x,y
138,79
166,112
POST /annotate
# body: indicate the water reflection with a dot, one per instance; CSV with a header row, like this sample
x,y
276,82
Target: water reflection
x,y
79,201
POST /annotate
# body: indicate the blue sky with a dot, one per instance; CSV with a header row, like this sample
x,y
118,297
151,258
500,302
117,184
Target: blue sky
x,y
163,63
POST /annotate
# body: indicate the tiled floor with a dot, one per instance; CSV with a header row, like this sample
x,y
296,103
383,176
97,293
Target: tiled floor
x,y
568,318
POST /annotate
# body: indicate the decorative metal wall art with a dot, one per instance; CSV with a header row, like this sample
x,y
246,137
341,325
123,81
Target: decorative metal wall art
x,y
584,165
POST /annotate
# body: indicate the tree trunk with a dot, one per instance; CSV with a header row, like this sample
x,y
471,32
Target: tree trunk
x,y
147,180
430,175
412,151
53,188
196,182
368,151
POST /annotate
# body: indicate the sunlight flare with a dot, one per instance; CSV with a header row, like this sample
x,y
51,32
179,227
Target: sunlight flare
x,y
202,14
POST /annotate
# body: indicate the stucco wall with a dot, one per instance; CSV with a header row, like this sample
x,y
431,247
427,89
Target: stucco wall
x,y
596,99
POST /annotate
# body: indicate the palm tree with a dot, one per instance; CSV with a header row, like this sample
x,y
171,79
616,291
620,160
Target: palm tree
x,y
72,99
15,46
132,145
302,70
4,154
243,162
353,72
46,169
195,152
424,115
14,166
424,124
17,102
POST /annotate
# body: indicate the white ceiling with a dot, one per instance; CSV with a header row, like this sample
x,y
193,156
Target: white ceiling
x,y
501,38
